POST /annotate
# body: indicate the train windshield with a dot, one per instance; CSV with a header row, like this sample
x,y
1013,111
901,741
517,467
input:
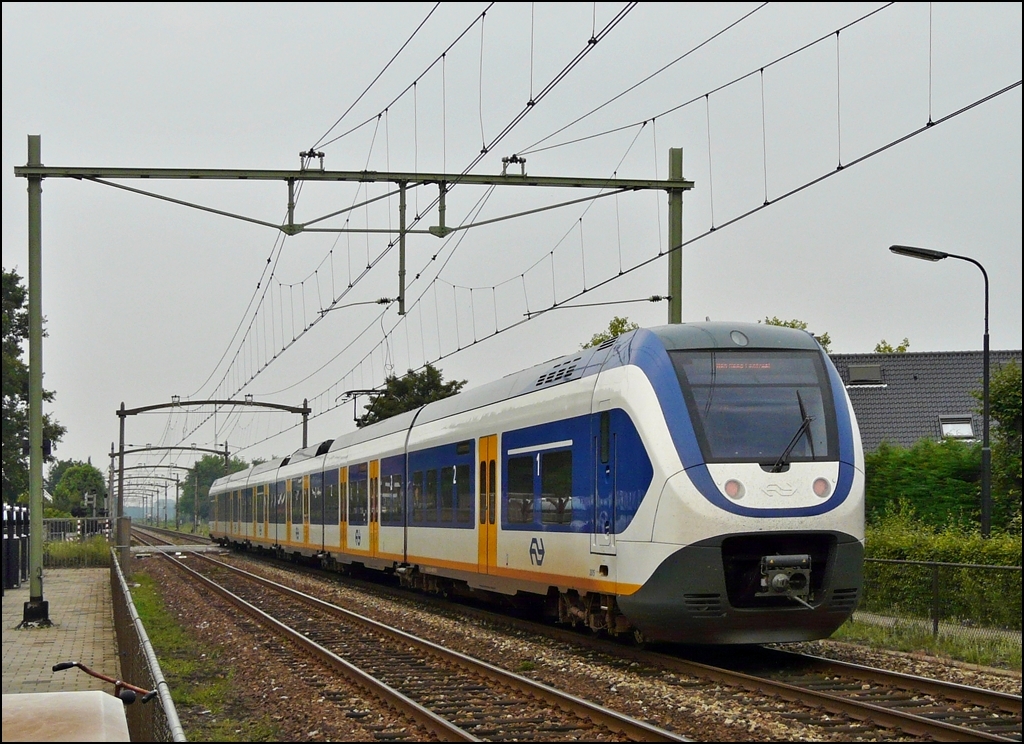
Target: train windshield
x,y
758,406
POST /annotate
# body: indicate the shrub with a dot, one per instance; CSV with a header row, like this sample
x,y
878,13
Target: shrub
x,y
989,597
940,480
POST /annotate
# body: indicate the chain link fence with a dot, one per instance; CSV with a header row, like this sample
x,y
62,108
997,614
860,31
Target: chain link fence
x,y
962,600
158,719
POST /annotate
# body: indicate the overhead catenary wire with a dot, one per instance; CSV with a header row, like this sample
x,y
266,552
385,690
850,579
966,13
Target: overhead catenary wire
x,y
764,141
808,184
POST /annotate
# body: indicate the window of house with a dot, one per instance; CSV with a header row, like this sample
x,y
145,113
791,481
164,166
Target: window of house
x,y
957,427
865,374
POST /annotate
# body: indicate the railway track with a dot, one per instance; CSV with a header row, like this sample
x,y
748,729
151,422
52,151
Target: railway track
x,y
825,693
451,695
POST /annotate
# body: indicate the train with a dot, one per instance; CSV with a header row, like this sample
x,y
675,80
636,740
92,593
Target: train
x,y
694,483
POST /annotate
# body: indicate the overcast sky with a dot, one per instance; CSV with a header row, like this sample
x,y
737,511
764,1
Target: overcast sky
x,y
146,299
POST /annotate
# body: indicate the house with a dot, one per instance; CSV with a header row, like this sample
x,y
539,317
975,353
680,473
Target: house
x,y
903,398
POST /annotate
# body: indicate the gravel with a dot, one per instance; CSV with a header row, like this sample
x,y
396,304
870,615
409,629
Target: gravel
x,y
694,708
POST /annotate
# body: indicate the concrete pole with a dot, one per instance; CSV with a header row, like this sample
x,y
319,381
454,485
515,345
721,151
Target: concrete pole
x,y
36,611
124,523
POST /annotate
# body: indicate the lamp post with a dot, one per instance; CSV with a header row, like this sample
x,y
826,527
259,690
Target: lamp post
x,y
986,452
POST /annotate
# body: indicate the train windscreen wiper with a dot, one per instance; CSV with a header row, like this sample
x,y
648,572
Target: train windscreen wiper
x,y
805,426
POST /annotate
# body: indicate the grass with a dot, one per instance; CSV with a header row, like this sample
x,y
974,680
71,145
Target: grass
x,y
199,682
91,553
992,652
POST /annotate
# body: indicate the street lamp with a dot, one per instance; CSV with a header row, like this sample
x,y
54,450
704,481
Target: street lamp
x,y
986,452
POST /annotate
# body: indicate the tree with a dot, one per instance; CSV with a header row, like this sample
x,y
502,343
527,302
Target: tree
x,y
198,482
56,472
824,339
884,347
407,393
14,416
616,327
76,481
1004,394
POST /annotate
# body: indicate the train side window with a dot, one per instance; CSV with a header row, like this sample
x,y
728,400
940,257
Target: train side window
x,y
483,492
316,498
464,493
556,487
492,508
343,501
279,505
447,484
430,497
358,496
297,500
605,436
417,496
391,499
331,497
520,489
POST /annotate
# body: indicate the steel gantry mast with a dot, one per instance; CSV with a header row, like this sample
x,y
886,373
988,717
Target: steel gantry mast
x,y
34,172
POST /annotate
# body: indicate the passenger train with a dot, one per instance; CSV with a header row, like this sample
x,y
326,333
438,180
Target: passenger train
x,y
690,483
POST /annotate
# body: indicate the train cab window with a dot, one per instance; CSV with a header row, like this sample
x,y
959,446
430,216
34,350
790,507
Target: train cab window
x,y
556,487
520,489
447,500
748,406
464,493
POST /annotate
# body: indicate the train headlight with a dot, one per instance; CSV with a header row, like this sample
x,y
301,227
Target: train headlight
x,y
734,489
822,487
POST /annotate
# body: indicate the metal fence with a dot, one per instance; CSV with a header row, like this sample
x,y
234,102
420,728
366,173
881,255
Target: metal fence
x,y
963,600
77,542
158,719
77,529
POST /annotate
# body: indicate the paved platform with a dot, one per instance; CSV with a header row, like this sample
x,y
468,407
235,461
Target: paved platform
x,y
83,631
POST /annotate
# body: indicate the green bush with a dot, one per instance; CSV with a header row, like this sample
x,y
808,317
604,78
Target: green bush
x,y
985,597
941,480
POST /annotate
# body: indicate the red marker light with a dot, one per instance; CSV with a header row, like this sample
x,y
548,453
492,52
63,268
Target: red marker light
x,y
822,487
734,489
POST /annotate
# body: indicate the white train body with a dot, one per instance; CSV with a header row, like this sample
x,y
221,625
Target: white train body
x,y
696,483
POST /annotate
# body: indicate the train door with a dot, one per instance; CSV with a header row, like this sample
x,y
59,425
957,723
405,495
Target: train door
x,y
266,508
343,507
487,539
602,539
374,515
305,510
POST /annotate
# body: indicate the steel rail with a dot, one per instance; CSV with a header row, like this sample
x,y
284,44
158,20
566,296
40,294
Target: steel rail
x,y
618,722
444,730
858,710
937,687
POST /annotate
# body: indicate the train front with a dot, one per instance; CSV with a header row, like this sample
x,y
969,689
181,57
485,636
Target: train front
x,y
758,534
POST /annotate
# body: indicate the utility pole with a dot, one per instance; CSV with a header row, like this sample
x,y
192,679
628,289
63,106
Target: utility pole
x,y
36,610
